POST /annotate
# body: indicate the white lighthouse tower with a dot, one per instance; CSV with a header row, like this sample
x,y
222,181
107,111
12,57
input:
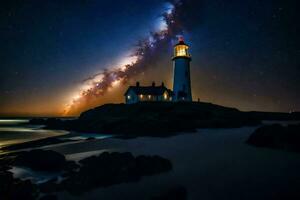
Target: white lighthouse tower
x,y
181,72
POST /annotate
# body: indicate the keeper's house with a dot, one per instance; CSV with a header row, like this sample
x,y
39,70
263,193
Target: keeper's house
x,y
139,93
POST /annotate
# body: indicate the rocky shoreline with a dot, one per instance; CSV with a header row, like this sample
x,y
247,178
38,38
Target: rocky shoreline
x,y
160,119
157,119
96,171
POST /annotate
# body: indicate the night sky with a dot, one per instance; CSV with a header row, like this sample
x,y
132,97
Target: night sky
x,y
62,57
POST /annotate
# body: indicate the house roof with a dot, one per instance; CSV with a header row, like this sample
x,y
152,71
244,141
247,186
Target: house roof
x,y
149,90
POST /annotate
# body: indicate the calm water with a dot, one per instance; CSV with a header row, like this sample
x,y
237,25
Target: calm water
x,y
14,131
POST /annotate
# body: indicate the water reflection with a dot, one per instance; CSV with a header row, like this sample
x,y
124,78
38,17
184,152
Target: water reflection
x,y
13,131
35,176
18,129
13,121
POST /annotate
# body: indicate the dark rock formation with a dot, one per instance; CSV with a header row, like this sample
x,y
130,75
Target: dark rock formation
x,y
95,171
53,122
50,186
148,165
15,189
277,136
113,168
43,160
70,166
155,119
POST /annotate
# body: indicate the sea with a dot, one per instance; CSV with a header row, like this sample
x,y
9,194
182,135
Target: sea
x,y
13,131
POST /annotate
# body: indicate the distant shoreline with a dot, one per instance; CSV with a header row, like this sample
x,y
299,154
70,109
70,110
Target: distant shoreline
x,y
163,118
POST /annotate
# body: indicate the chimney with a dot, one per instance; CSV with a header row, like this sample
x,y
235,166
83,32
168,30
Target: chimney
x,y
162,84
137,84
153,84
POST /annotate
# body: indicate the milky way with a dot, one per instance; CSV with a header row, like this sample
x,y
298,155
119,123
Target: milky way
x,y
245,53
98,84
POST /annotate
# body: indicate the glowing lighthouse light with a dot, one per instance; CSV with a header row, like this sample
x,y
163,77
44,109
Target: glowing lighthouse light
x,y
181,49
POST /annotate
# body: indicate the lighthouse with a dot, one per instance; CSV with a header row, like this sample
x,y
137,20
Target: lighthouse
x,y
181,72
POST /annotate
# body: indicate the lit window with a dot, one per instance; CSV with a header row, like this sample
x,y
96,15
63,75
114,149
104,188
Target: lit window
x,y
141,96
149,96
165,96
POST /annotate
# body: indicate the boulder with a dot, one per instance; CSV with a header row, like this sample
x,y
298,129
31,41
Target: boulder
x,y
15,189
42,160
49,186
6,180
277,136
112,168
24,190
148,165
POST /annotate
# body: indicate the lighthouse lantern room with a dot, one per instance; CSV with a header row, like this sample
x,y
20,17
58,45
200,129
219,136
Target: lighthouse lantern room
x,y
181,49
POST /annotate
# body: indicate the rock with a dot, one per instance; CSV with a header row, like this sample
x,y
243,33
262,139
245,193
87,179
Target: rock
x,y
24,190
43,160
71,166
112,168
6,180
277,136
54,123
96,171
148,165
157,119
175,193
15,189
49,186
